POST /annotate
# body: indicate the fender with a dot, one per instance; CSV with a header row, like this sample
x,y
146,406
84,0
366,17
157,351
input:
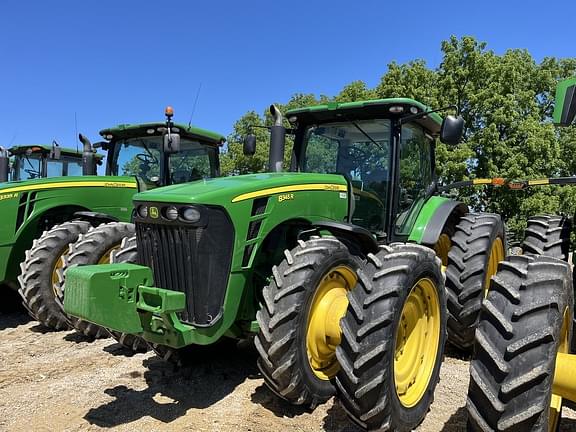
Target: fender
x,y
351,234
438,220
94,218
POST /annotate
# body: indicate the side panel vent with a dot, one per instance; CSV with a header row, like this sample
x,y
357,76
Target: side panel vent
x,y
21,210
259,206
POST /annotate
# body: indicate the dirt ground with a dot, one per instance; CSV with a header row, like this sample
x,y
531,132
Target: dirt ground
x,y
61,382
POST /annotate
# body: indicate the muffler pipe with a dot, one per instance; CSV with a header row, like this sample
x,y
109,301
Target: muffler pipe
x,y
277,140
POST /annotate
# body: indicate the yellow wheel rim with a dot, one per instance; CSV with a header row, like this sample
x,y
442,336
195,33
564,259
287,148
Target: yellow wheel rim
x,y
323,332
497,254
58,267
556,400
417,340
105,258
442,247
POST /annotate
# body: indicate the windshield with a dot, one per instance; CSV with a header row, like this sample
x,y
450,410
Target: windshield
x,y
141,157
65,166
345,149
27,167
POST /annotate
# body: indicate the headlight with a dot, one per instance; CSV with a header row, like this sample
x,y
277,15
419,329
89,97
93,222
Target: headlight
x,y
171,213
191,214
143,211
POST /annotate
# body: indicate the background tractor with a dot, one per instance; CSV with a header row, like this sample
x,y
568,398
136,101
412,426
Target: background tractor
x,y
39,161
334,266
44,216
523,369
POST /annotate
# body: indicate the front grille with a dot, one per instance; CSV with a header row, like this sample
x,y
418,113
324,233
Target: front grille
x,y
195,260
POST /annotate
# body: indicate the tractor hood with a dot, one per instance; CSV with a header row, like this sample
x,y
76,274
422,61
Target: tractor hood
x,y
222,191
65,182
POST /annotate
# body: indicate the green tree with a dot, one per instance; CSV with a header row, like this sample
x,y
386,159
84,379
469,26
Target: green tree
x,y
506,101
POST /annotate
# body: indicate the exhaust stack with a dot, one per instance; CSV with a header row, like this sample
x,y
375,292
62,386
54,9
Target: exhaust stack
x,y
4,164
277,140
88,156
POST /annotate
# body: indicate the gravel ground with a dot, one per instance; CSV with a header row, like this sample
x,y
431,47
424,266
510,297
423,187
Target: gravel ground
x,y
61,382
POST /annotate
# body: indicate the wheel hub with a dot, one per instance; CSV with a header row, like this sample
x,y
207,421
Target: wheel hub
x,y
556,399
323,333
57,274
497,254
416,346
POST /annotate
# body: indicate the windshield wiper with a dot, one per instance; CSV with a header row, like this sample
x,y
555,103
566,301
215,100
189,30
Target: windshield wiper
x,y
357,126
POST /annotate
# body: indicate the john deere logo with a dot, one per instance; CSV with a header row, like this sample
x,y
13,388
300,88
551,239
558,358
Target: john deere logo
x,y
154,212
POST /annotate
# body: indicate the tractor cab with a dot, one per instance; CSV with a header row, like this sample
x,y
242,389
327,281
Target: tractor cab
x,y
161,154
385,150
40,161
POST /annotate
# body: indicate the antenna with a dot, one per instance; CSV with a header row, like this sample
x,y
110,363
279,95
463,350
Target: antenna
x,y
13,138
195,102
76,132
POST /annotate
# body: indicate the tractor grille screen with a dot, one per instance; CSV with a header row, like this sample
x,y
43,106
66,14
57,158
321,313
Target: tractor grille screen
x,y
195,260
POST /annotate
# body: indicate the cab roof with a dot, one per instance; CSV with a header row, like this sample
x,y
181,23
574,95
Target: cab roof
x,y
64,151
136,130
367,109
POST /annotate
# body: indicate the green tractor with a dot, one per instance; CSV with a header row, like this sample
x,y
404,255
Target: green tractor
x,y
43,217
522,372
39,161
334,267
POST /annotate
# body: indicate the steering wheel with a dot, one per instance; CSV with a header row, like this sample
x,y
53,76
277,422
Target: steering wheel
x,y
32,173
146,158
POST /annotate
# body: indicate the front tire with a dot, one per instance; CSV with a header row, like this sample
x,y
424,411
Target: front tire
x,y
42,271
525,322
95,247
299,320
394,333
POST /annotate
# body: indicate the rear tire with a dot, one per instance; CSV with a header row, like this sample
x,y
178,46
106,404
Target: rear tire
x,y
285,339
383,310
547,235
524,322
42,270
128,253
478,240
95,247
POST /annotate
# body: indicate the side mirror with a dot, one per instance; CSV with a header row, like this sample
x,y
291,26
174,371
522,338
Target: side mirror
x,y
452,130
171,143
249,146
565,110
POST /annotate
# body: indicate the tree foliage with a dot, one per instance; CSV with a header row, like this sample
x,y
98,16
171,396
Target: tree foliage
x,y
506,101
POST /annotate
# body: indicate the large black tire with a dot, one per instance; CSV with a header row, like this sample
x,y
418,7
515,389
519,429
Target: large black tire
x,y
94,247
468,273
284,319
367,386
41,271
547,235
522,327
128,253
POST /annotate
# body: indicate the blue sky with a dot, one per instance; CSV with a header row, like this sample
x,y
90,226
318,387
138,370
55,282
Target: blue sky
x,y
116,62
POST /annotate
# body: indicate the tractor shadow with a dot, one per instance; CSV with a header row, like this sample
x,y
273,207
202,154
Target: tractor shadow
x,y
171,391
457,421
13,319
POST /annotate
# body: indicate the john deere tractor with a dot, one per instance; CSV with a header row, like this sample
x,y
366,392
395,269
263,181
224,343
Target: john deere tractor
x,y
42,217
39,161
334,266
523,368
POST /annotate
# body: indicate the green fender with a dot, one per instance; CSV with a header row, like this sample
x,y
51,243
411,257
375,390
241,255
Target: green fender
x,y
432,219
